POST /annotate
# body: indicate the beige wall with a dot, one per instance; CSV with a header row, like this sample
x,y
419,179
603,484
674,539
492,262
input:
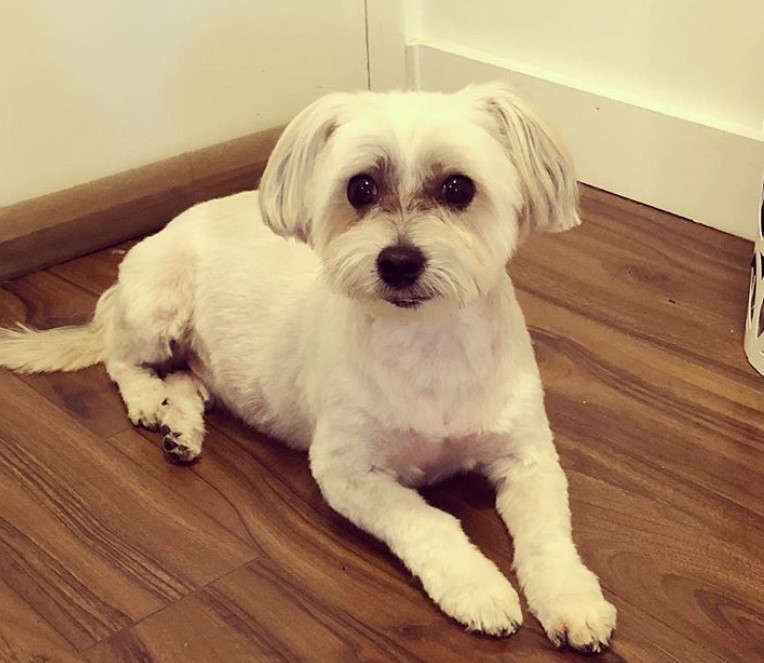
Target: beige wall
x,y
93,87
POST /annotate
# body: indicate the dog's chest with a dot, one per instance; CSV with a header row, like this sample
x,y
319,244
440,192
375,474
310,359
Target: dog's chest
x,y
440,383
418,460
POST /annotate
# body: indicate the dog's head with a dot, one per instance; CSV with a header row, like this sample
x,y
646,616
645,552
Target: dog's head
x,y
409,197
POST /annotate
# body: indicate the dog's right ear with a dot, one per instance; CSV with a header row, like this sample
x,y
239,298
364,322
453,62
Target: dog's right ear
x,y
547,176
291,165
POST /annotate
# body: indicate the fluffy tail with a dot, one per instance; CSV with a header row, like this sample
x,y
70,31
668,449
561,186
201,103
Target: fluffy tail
x,y
28,350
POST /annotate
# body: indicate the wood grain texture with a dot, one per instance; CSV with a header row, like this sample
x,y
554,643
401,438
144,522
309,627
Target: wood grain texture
x,y
111,554
25,636
47,300
90,540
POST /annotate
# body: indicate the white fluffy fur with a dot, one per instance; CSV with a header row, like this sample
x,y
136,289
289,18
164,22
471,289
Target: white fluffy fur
x,y
299,338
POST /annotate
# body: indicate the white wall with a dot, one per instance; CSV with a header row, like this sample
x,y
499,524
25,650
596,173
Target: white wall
x,y
661,101
699,57
93,87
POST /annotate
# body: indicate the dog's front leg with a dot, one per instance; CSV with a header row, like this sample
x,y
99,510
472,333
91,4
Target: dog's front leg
x,y
431,543
564,595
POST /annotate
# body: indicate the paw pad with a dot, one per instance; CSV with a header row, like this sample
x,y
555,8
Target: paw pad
x,y
175,452
169,445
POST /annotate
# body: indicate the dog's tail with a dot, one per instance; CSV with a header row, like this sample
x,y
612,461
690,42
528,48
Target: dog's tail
x,y
28,350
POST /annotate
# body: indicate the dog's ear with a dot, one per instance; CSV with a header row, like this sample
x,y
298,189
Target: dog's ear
x,y
547,176
284,183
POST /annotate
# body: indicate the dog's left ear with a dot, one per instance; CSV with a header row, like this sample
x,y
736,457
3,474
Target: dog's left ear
x,y
547,176
284,183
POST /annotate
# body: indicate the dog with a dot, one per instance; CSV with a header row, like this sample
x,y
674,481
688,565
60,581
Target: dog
x,y
357,306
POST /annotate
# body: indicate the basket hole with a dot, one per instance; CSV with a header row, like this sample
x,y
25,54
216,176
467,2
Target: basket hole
x,y
751,294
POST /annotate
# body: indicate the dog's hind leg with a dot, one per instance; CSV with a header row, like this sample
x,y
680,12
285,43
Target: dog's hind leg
x,y
149,325
175,405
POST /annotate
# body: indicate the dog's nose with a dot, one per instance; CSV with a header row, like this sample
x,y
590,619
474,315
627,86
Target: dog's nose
x,y
400,266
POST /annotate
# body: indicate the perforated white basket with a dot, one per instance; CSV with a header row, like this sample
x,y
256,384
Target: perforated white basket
x,y
754,327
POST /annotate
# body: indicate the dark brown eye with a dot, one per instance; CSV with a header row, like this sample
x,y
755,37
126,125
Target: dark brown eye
x,y
458,191
362,191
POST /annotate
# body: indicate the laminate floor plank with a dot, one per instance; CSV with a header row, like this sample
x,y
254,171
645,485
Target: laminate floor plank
x,y
643,272
25,636
46,300
94,272
144,449
332,609
88,540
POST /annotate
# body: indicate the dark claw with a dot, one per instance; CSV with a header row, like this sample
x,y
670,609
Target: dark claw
x,y
165,430
169,444
144,423
506,632
587,649
562,642
166,402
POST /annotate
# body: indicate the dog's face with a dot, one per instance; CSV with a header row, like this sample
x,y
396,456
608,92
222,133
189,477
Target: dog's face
x,y
412,197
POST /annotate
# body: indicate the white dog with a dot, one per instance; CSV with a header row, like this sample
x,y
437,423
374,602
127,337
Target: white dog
x,y
358,307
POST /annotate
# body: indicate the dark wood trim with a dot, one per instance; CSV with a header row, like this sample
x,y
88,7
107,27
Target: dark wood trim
x,y
59,226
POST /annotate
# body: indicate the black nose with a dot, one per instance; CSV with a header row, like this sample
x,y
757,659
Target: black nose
x,y
400,266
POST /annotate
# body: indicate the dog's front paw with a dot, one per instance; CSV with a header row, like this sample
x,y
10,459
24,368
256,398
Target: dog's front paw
x,y
483,601
581,622
566,598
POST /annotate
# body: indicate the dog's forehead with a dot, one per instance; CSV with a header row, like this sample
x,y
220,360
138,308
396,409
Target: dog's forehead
x,y
408,132
416,116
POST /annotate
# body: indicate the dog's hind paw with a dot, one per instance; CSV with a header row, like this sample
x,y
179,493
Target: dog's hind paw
x,y
182,420
175,450
144,409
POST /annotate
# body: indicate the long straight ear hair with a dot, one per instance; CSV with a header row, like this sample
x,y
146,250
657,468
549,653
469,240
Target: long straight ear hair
x,y
547,176
290,166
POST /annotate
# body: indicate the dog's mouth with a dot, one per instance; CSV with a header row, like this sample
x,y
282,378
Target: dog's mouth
x,y
407,302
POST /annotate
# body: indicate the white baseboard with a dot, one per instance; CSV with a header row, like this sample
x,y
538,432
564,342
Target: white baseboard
x,y
691,166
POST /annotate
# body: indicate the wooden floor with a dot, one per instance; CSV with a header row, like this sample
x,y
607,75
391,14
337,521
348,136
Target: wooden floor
x,y
108,553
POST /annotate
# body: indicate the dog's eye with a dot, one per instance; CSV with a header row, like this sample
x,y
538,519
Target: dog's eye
x,y
458,191
362,191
